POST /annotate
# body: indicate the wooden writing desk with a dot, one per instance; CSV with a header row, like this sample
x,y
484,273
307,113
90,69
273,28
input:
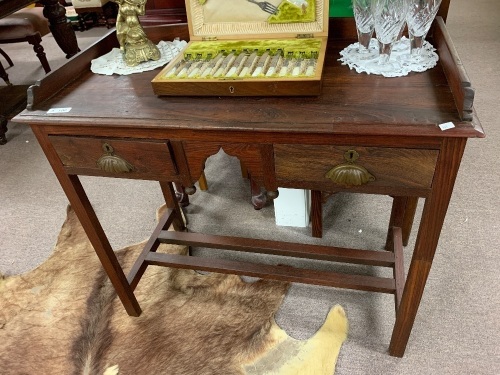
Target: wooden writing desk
x,y
390,124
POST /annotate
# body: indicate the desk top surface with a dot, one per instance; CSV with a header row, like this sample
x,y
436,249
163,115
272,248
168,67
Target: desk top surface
x,y
350,103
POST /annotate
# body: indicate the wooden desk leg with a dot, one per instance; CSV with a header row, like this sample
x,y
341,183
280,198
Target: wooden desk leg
x,y
397,217
90,223
173,203
316,214
405,214
431,223
3,73
258,198
409,215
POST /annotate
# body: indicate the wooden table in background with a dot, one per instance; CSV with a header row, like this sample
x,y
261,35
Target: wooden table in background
x,y
61,29
391,124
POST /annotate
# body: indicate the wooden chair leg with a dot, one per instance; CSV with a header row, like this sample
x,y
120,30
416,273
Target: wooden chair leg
x,y
35,40
3,130
4,54
4,75
81,22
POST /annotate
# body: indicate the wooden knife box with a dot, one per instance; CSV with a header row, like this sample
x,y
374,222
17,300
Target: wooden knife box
x,y
249,48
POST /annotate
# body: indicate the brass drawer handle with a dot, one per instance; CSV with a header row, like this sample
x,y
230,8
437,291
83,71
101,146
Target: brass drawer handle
x,y
112,163
350,174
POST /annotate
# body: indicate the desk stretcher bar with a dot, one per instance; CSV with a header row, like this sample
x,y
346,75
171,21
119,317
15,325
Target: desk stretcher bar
x,y
392,259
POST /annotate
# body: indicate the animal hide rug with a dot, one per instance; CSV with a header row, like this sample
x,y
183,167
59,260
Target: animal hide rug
x,y
64,318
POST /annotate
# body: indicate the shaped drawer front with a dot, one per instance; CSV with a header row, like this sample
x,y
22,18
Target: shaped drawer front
x,y
352,166
113,157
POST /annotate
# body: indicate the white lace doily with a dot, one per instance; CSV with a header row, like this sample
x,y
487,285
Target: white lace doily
x,y
112,62
428,59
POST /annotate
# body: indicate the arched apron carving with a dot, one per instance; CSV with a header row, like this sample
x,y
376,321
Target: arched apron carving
x,y
250,155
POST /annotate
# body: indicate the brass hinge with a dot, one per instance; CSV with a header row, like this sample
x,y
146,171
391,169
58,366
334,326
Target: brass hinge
x,y
305,36
208,38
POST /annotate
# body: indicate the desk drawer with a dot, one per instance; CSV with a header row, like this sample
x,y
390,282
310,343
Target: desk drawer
x,y
112,157
351,166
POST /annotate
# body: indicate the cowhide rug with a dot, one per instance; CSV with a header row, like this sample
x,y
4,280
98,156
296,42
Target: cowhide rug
x,y
64,318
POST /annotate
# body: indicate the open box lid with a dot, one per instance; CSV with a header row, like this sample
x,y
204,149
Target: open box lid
x,y
244,19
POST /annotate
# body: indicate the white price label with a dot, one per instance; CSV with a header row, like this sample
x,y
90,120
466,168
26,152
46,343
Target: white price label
x,y
59,110
447,125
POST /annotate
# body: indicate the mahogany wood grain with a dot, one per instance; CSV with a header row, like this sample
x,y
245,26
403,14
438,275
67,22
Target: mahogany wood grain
x,y
249,154
54,81
279,272
423,101
433,215
459,82
333,254
389,166
151,160
108,129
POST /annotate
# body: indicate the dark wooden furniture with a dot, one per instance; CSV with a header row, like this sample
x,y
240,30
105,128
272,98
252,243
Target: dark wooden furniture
x,y
56,14
3,73
13,101
103,14
26,25
162,12
283,142
64,36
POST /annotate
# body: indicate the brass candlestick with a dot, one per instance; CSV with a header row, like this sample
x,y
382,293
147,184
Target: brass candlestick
x,y
134,43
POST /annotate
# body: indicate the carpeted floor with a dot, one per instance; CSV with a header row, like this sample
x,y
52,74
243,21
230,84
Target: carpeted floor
x,y
457,327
